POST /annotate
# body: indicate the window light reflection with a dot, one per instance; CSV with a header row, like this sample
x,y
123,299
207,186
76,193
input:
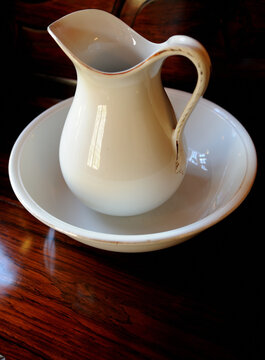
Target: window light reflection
x,y
49,251
7,271
199,159
93,160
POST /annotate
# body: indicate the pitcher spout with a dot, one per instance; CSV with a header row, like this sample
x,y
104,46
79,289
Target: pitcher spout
x,y
101,42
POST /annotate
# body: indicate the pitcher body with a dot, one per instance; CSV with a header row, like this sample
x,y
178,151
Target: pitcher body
x,y
121,150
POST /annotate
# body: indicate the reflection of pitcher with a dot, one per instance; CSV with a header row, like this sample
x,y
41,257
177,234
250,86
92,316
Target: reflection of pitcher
x,y
121,150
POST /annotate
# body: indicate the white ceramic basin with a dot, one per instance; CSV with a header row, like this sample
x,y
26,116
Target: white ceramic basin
x,y
221,170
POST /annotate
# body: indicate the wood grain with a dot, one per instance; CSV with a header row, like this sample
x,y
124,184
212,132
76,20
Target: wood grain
x,y
39,14
60,299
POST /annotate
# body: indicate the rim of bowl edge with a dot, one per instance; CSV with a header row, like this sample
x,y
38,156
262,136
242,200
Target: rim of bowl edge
x,y
85,235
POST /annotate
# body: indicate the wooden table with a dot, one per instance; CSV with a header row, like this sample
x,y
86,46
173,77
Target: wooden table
x,y
60,299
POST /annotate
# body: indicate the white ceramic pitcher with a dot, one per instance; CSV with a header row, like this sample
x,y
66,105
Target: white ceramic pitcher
x,y
122,151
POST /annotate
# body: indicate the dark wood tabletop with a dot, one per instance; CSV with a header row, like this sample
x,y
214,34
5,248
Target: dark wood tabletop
x,y
60,299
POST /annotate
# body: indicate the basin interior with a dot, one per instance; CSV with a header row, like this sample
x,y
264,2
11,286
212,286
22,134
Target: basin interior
x,y
217,164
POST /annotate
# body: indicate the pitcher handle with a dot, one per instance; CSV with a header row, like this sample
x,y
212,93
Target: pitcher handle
x,y
193,50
